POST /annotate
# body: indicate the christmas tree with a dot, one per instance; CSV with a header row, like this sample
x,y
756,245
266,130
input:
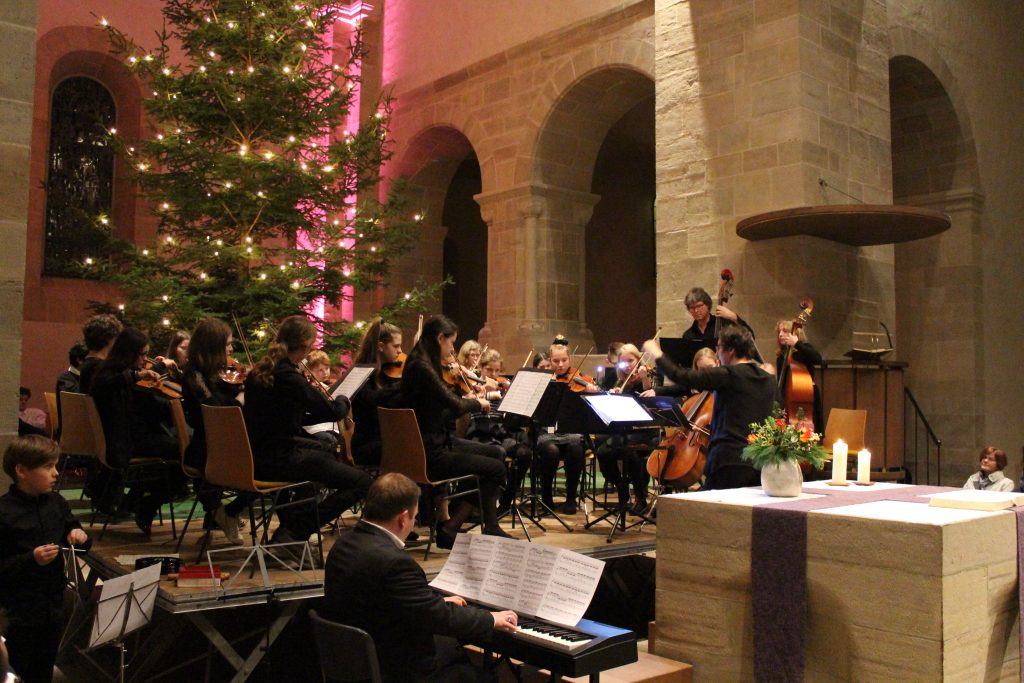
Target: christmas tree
x,y
267,205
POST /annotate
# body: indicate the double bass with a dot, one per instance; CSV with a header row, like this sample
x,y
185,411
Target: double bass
x,y
795,379
679,459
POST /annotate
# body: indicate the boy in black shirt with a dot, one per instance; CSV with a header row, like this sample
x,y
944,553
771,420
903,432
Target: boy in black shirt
x,y
34,524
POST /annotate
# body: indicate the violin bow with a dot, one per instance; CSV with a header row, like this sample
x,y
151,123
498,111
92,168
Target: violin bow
x,y
576,371
528,357
241,338
639,362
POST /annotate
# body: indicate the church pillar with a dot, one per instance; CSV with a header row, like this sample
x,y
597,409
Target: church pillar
x,y
535,266
757,102
17,83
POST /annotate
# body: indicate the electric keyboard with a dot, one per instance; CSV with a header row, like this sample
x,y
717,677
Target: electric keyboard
x,y
587,649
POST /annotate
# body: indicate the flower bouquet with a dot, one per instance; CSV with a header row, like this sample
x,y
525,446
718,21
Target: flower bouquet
x,y
776,447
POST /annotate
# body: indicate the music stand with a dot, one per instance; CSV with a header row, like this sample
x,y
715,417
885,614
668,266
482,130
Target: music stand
x,y
353,381
125,605
614,414
533,400
681,351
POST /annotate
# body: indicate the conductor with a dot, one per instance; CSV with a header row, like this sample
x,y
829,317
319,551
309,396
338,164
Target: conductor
x,y
373,584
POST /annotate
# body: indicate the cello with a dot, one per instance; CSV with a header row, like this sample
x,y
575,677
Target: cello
x,y
680,457
794,378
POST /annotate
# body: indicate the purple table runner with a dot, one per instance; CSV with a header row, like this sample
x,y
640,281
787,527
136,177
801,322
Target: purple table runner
x,y
778,574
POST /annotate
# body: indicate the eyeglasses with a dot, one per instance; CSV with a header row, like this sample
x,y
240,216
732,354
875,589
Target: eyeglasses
x,y
694,307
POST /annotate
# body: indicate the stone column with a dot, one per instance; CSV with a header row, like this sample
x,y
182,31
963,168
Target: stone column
x,y
17,83
757,101
536,268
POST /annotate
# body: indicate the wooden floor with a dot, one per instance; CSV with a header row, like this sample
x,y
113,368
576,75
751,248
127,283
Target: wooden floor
x,y
114,555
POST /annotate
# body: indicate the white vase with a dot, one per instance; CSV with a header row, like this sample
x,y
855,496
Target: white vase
x,y
783,479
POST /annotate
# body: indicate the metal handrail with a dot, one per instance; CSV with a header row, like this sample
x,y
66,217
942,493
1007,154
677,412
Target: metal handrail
x,y
932,436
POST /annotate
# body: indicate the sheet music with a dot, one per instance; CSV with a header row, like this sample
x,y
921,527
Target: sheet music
x,y
618,408
525,392
353,382
550,583
125,605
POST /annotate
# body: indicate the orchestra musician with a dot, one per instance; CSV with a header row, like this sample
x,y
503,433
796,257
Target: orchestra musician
x,y
424,390
469,354
744,393
698,304
318,363
490,428
204,383
134,426
542,360
623,451
381,346
607,377
568,448
279,401
803,352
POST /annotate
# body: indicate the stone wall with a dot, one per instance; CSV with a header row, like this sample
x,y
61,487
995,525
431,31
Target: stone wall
x,y
18,36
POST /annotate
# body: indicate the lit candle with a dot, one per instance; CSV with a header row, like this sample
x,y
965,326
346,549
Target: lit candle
x,y
864,466
839,453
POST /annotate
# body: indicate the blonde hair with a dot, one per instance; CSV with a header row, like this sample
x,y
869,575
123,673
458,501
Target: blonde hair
x,y
630,349
318,357
787,325
468,347
489,356
703,353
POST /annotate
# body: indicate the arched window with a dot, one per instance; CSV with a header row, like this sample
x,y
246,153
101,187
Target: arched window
x,y
80,174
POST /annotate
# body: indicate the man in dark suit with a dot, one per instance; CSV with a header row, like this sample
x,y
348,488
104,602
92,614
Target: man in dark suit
x,y
373,584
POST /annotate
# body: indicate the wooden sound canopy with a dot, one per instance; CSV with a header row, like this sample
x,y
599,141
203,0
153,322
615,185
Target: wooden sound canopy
x,y
859,225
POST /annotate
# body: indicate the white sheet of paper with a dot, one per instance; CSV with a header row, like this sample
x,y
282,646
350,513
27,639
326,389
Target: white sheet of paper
x,y
355,379
618,408
550,583
525,393
109,623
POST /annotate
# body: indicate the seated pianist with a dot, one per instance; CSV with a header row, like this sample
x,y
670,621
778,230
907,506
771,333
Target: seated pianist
x,y
372,583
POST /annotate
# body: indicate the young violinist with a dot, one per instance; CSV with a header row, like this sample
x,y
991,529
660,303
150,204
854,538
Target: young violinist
x,y
134,424
318,367
424,390
279,401
381,346
568,448
177,351
204,382
744,393
618,456
802,352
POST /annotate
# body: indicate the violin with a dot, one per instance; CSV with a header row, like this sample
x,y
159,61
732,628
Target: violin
x,y
456,376
394,368
234,372
577,381
162,385
346,426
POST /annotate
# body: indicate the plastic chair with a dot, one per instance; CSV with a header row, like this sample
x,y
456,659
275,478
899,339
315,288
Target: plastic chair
x,y
229,465
402,451
82,435
347,653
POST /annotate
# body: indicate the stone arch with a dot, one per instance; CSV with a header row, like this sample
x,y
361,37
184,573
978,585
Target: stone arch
x,y
939,280
429,162
623,76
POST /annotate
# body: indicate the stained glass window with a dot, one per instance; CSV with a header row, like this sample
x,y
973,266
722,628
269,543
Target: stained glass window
x,y
79,182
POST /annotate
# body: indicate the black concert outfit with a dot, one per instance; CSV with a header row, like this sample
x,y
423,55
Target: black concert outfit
x,y
282,451
744,393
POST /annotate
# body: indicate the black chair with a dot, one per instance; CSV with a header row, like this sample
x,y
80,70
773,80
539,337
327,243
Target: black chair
x,y
346,653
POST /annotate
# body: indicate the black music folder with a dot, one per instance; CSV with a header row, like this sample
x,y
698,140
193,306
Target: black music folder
x,y
681,351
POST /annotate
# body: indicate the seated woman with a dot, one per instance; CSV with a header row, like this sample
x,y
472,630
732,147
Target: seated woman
x,y
279,401
381,347
990,477
620,457
424,390
204,383
318,366
135,426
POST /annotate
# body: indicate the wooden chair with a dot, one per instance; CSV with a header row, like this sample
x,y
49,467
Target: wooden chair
x,y
82,435
229,465
51,411
347,653
402,451
847,425
181,428
67,460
